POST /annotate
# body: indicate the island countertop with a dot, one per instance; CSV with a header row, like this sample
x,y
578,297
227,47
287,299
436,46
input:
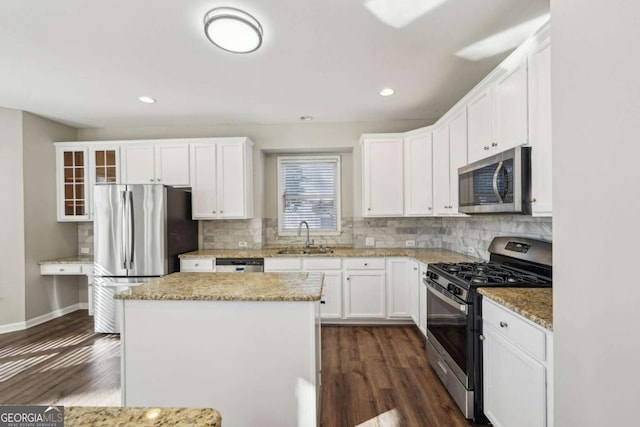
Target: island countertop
x,y
536,304
117,416
230,287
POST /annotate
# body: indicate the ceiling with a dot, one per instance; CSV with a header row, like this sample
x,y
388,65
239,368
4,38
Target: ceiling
x,y
85,63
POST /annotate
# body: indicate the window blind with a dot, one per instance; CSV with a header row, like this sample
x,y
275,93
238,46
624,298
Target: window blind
x,y
310,192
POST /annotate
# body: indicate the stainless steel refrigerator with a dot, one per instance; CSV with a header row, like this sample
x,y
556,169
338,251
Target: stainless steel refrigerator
x,y
139,231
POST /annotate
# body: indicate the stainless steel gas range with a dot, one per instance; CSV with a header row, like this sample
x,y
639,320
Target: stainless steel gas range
x,y
454,311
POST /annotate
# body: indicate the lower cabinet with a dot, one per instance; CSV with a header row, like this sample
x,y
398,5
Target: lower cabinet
x,y
402,274
364,294
516,368
331,302
198,265
422,302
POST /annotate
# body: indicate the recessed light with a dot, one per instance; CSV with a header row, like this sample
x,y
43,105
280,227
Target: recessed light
x,y
146,99
386,91
233,30
306,118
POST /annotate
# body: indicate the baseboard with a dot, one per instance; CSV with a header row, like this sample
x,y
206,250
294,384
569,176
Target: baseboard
x,y
366,322
19,326
83,306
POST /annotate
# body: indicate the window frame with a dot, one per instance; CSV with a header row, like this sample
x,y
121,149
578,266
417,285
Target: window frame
x,y
333,158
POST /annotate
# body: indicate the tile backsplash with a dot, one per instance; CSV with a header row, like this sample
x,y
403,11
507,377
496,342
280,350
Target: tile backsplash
x,y
455,233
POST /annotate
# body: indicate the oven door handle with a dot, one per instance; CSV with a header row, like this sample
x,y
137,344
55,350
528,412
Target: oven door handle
x,y
444,299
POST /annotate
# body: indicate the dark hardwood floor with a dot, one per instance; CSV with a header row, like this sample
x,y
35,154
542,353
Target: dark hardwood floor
x,y
371,376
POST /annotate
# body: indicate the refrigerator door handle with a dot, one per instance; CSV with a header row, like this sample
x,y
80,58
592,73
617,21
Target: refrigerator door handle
x,y
124,229
132,234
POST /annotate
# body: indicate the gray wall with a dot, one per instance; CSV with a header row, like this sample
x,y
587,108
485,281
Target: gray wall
x,y
12,307
44,237
596,107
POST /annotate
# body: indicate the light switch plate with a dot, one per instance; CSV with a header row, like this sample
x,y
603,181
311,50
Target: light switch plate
x,y
471,250
370,241
410,243
84,250
242,244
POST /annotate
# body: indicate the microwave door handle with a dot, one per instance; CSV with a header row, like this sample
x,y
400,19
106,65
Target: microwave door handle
x,y
448,301
495,182
505,175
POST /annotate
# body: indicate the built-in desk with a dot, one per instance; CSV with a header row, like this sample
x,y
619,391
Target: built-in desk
x,y
71,266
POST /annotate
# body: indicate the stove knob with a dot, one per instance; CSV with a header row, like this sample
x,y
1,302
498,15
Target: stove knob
x,y
451,288
457,291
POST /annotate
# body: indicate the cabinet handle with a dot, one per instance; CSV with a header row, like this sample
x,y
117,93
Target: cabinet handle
x,y
196,264
214,211
415,268
533,200
323,302
481,337
151,180
369,209
503,324
429,208
486,148
221,211
348,278
494,144
159,179
366,264
62,269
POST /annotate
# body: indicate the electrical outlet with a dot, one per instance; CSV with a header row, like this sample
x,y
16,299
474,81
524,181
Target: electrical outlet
x,y
410,243
370,241
84,250
470,250
242,244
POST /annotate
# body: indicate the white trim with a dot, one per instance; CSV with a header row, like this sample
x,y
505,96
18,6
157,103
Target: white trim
x,y
19,326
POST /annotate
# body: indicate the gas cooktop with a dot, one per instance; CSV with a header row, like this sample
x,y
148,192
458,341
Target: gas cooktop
x,y
476,274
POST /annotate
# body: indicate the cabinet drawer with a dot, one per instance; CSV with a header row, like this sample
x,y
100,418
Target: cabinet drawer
x,y
61,269
323,264
197,264
365,264
283,264
515,328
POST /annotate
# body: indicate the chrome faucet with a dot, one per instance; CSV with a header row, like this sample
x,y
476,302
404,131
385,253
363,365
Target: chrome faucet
x,y
307,242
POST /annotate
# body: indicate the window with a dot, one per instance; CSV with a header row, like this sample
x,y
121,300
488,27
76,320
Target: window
x,y
309,189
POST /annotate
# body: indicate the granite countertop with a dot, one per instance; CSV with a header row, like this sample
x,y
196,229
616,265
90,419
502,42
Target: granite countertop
x,y
536,304
426,256
230,287
69,260
118,416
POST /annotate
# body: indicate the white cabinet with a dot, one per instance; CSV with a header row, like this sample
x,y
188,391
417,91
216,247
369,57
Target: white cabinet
x,y
282,265
498,114
221,178
516,369
422,319
383,175
365,290
331,302
414,295
441,193
457,154
540,127
400,278
72,171
198,265
156,163
418,199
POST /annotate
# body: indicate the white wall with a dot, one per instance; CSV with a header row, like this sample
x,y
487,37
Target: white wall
x,y
596,123
283,138
44,237
12,307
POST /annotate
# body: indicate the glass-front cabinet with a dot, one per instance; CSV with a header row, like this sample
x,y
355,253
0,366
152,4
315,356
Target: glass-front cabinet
x,y
80,167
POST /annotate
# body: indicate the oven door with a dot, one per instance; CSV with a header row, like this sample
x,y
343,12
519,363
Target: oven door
x,y
448,330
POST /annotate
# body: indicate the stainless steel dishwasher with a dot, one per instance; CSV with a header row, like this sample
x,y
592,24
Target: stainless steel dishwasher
x,y
239,265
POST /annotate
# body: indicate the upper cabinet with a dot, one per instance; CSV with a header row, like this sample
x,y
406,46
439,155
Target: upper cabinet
x,y
540,127
219,170
418,198
221,178
498,113
383,175
156,163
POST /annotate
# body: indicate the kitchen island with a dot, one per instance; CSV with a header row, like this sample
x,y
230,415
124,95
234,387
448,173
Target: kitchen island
x,y
246,344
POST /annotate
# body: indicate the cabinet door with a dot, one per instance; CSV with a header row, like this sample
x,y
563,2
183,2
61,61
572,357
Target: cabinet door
x,y
383,177
514,384
511,110
72,179
203,181
540,128
422,324
137,164
400,277
414,293
104,168
231,180
364,294
418,175
479,121
441,198
457,155
331,303
172,164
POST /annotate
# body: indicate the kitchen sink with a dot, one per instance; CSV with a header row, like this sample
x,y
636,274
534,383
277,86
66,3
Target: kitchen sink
x,y
306,251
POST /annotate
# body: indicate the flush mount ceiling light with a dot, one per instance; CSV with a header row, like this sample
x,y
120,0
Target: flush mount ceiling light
x,y
233,30
386,91
146,99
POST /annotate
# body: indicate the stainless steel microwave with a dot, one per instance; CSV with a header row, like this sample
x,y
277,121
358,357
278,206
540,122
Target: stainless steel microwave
x,y
497,184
